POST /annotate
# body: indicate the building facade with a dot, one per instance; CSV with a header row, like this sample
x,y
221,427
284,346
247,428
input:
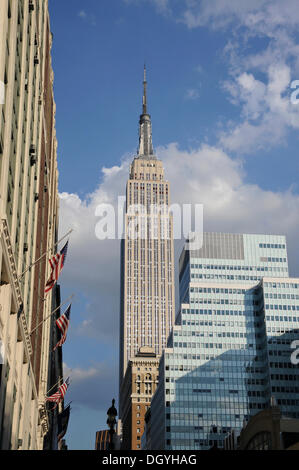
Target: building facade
x,y
267,430
147,259
102,440
29,220
230,350
138,386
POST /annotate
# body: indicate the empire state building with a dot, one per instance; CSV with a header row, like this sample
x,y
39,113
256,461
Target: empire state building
x,y
147,255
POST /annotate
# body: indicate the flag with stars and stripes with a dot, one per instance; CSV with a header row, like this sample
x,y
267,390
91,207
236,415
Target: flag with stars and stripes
x,y
58,396
56,263
63,324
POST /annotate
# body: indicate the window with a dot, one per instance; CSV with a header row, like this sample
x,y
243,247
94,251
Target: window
x,y
261,441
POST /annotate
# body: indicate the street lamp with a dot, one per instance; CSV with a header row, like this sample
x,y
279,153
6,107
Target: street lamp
x,y
111,421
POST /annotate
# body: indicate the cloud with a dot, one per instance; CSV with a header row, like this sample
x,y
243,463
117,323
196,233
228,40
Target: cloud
x,y
162,6
267,114
192,94
262,58
82,14
206,175
199,68
88,17
266,108
93,265
263,16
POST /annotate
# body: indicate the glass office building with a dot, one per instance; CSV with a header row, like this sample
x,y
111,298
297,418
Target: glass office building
x,y
229,352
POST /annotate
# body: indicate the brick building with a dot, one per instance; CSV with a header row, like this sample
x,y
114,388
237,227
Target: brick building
x,y
138,386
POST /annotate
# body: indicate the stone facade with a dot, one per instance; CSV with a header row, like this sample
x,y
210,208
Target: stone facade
x,y
139,384
29,220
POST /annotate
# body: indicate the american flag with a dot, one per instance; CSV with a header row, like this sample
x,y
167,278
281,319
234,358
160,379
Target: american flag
x,y
63,324
59,395
56,263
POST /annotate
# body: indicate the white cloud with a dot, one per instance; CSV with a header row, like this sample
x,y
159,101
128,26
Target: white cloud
x,y
267,115
162,6
192,94
262,15
79,374
82,14
199,68
91,387
89,17
266,108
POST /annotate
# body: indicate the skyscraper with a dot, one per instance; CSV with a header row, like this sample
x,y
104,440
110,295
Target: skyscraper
x,y
229,352
147,264
29,222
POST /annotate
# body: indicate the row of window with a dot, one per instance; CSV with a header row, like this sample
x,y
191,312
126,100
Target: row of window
x,y
281,307
237,268
283,285
193,311
246,323
273,260
281,296
206,332
231,277
217,312
221,301
272,245
208,390
217,290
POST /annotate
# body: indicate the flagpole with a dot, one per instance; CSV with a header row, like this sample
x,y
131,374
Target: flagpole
x,y
61,378
65,302
67,406
43,255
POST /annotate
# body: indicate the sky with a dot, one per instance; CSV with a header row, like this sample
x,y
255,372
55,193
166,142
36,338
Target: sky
x,y
224,124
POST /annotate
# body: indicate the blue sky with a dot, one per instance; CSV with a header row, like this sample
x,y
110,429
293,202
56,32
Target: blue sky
x,y
219,76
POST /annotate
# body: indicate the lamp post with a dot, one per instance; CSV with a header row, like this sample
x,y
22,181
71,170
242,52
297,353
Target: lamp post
x,y
111,421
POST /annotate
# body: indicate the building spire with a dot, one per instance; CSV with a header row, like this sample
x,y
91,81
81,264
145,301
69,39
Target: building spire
x,y
144,101
145,126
